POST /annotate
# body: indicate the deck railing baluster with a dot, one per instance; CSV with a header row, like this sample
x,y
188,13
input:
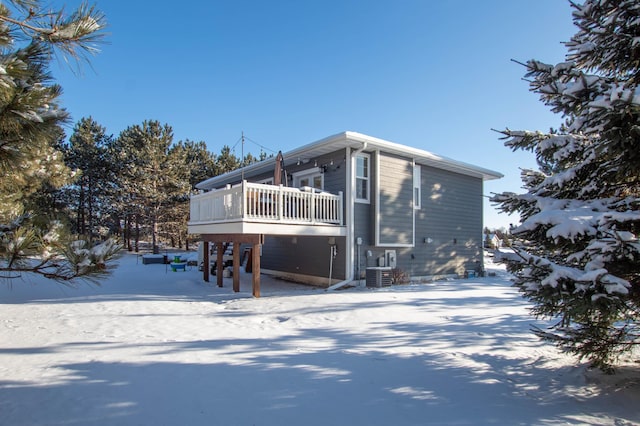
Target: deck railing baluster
x,y
260,202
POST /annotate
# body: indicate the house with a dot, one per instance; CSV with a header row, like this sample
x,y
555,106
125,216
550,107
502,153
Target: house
x,y
328,212
493,241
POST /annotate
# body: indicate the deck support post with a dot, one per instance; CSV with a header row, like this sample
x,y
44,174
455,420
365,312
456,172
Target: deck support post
x,y
255,266
256,241
219,262
205,262
236,267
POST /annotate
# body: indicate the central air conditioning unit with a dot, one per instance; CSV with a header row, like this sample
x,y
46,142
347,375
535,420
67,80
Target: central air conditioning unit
x,y
378,277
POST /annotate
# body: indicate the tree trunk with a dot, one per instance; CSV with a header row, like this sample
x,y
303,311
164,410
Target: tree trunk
x,y
80,219
137,238
127,231
90,224
154,233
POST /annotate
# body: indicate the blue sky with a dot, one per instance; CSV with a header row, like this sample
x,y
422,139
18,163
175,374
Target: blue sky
x,y
436,75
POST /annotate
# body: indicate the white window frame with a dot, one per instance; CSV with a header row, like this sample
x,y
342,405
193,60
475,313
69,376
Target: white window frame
x,y
417,187
310,174
367,178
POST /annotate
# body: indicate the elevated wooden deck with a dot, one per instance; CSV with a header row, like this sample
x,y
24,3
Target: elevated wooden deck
x,y
245,213
253,208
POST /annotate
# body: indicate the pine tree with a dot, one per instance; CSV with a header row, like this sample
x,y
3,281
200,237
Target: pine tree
x,y
196,164
577,254
226,161
87,154
30,131
151,173
44,200
199,163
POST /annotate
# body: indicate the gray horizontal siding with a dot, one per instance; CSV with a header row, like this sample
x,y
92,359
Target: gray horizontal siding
x,y
396,200
451,220
303,255
333,164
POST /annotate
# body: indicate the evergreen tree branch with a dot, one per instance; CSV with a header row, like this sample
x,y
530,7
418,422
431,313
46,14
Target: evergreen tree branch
x,y
577,247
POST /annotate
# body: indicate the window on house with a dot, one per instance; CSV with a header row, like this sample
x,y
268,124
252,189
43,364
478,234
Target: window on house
x,y
417,186
363,174
312,178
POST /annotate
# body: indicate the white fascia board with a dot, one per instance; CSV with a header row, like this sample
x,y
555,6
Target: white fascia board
x,y
425,157
288,229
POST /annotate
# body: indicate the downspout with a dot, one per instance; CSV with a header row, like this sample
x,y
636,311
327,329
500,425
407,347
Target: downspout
x,y
351,195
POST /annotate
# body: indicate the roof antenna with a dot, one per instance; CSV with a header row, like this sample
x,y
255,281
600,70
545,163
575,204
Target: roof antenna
x,y
242,159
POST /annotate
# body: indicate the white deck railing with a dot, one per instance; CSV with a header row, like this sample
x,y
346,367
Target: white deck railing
x,y
257,202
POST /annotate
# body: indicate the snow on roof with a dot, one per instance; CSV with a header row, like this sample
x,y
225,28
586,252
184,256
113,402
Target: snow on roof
x,y
355,140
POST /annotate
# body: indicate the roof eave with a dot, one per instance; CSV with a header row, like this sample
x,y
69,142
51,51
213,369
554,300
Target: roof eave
x,y
355,140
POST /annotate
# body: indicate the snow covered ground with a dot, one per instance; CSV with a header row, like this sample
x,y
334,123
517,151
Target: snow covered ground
x,y
156,347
